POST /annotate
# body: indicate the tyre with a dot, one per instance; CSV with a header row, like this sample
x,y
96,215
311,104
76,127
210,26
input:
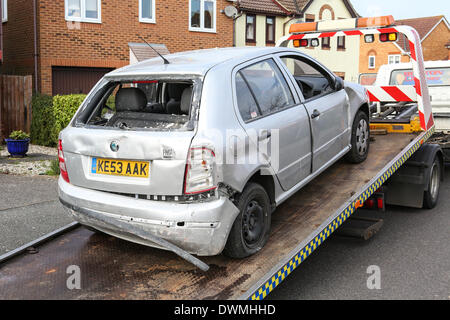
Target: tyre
x,y
360,139
431,195
251,228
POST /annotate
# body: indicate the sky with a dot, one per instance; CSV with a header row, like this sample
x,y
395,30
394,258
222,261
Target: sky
x,y
402,9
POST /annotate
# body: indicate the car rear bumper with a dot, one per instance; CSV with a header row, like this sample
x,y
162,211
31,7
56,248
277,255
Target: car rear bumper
x,y
200,228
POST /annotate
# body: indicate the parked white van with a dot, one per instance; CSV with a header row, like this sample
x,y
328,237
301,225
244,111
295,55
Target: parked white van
x,y
438,79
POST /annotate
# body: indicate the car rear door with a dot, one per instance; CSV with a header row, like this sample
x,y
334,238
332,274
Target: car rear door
x,y
328,109
271,113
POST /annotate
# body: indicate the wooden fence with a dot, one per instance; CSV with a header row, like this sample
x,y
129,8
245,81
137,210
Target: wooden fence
x,y
15,104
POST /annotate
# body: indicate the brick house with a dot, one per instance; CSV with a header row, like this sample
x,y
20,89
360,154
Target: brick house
x,y
77,41
262,23
435,37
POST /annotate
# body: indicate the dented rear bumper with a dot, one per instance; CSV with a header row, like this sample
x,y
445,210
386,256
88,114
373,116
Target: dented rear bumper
x,y
200,228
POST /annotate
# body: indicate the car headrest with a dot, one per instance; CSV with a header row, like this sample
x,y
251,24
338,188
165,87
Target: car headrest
x,y
186,99
130,99
175,90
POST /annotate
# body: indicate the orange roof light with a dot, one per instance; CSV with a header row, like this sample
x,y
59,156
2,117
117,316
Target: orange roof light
x,y
303,27
375,22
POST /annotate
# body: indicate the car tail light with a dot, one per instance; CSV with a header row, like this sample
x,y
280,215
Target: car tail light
x,y
62,163
200,167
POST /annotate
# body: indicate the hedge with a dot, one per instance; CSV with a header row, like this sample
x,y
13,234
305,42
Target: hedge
x,y
51,115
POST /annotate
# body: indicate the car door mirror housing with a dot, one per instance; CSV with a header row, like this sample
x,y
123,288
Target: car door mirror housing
x,y
338,84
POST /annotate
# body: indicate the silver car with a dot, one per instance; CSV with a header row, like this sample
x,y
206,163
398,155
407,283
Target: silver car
x,y
198,152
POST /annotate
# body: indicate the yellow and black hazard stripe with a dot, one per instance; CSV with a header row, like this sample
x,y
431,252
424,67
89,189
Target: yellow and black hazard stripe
x,y
295,261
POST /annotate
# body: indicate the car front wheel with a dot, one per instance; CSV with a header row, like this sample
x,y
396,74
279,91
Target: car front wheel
x,y
360,139
251,228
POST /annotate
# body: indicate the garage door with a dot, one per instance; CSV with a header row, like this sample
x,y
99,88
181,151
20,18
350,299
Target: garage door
x,y
70,80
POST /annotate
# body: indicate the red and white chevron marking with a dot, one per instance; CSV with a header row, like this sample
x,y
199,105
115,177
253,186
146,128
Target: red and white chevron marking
x,y
328,34
392,93
418,92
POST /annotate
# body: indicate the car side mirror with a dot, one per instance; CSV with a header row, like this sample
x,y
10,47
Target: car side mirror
x,y
338,84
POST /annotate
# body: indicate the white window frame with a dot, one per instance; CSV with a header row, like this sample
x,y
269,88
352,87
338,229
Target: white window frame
x,y
202,17
393,57
4,10
83,12
146,20
374,62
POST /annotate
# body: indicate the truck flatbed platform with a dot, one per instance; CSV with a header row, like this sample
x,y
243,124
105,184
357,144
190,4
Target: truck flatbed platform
x,y
115,269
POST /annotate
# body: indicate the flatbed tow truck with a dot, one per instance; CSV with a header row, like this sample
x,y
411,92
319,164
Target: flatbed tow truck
x,y
115,269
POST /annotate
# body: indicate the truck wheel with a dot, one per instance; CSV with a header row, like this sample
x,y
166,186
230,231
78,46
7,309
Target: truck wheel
x,y
431,196
360,139
251,228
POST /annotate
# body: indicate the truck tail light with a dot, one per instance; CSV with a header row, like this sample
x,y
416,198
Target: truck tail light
x,y
386,37
62,162
200,167
301,43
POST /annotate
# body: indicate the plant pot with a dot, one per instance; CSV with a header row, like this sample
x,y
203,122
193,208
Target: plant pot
x,y
17,148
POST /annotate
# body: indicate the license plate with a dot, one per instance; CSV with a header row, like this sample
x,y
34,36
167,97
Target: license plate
x,y
125,168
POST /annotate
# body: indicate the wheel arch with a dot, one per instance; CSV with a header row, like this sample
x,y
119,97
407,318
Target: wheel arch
x,y
266,180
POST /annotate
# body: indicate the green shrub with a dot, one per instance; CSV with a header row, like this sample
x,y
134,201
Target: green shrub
x,y
19,135
42,121
51,115
64,108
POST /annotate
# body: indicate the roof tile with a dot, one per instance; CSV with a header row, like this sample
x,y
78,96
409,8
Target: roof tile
x,y
422,25
143,52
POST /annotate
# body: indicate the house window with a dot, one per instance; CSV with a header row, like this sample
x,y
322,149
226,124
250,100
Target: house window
x,y
341,42
4,10
325,43
250,29
83,10
371,62
394,59
270,29
147,11
202,15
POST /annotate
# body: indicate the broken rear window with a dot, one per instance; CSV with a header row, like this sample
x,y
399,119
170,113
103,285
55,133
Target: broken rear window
x,y
143,104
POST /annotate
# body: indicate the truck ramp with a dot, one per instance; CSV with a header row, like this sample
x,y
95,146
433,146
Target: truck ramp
x,y
111,268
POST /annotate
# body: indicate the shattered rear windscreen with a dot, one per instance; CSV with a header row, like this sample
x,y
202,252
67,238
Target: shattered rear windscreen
x,y
149,104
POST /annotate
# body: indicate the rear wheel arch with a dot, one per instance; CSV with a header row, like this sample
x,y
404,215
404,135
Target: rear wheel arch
x,y
266,181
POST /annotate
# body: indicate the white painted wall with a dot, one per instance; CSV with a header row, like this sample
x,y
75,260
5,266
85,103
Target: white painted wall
x,y
338,61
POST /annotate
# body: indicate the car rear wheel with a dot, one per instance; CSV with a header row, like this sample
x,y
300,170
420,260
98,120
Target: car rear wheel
x,y
360,139
251,228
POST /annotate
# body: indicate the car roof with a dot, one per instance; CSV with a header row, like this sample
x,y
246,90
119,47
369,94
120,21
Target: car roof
x,y
196,62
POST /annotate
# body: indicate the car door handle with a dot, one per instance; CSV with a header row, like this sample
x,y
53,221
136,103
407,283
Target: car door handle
x,y
265,134
315,114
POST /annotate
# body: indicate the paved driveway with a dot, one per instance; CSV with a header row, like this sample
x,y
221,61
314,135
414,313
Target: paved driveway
x,y
29,208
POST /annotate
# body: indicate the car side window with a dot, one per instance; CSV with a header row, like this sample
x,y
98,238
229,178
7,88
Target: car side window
x,y
246,102
268,90
311,81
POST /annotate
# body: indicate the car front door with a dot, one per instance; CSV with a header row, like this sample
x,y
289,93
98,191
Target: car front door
x,y
328,109
275,119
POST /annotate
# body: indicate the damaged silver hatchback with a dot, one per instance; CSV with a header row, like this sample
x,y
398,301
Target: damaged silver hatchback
x,y
194,156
